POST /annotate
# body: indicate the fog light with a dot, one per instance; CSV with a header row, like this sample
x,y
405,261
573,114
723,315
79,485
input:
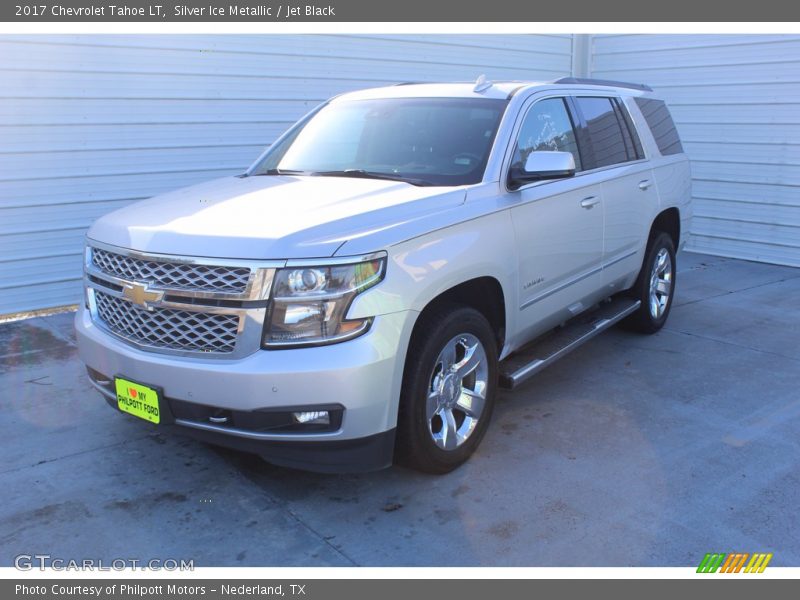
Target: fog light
x,y
317,417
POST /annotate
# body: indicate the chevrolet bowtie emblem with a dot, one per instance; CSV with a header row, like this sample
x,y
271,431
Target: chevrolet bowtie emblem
x,y
141,295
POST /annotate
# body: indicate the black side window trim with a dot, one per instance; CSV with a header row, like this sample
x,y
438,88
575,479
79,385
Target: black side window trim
x,y
581,134
566,100
630,145
628,124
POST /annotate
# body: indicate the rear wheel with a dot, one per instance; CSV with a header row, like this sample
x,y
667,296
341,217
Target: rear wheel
x,y
655,286
449,388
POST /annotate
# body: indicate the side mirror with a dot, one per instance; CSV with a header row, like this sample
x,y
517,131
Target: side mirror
x,y
541,165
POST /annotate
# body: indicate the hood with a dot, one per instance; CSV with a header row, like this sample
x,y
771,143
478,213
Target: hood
x,y
270,217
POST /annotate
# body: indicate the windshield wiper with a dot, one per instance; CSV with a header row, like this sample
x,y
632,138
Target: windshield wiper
x,y
283,172
363,174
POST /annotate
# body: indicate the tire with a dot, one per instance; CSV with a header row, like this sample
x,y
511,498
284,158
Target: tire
x,y
655,286
442,419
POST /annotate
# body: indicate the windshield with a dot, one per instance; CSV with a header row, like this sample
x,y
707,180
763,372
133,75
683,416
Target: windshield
x,y
424,141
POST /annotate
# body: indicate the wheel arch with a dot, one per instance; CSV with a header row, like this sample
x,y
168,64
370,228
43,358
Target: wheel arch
x,y
484,294
668,221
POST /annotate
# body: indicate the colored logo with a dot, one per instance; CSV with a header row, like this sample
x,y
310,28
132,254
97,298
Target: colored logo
x,y
735,562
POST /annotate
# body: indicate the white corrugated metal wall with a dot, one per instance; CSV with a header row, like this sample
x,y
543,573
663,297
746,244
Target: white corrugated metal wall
x,y
736,103
91,123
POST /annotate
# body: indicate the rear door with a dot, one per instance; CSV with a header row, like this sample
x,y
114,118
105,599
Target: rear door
x,y
630,197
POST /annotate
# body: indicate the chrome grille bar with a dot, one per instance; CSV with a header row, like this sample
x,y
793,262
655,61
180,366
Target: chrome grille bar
x,y
185,330
209,278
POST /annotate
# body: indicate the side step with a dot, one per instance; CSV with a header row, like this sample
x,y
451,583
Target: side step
x,y
544,351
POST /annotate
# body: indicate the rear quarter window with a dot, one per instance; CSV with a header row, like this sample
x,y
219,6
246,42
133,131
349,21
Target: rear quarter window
x,y
662,126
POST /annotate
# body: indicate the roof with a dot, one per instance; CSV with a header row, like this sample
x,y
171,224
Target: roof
x,y
500,90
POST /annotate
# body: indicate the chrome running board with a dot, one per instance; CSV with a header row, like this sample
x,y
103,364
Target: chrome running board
x,y
544,351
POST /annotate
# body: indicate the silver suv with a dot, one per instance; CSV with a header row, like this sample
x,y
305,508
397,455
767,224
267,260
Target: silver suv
x,y
358,295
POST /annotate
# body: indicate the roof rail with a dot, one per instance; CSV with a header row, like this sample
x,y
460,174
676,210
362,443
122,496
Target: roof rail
x,y
622,84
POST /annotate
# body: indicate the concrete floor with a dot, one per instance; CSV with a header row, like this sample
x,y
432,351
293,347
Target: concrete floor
x,y
631,451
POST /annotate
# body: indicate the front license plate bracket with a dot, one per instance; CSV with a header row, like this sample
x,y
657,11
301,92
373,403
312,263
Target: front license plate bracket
x,y
139,400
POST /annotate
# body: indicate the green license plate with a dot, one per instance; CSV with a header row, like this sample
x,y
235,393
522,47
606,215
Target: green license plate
x,y
137,399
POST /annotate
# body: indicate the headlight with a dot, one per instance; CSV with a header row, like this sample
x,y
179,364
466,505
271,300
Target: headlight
x,y
309,303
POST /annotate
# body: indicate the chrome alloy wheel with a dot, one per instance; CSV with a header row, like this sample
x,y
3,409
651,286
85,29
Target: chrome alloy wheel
x,y
457,391
660,283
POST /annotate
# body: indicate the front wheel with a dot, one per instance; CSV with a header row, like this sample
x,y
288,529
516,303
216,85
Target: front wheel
x,y
449,388
655,286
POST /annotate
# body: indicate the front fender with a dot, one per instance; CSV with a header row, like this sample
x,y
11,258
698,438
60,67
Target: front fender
x,y
420,269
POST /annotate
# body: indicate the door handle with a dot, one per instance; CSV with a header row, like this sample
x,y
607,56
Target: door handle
x,y
644,184
590,202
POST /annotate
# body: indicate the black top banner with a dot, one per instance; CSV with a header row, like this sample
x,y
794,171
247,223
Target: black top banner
x,y
398,11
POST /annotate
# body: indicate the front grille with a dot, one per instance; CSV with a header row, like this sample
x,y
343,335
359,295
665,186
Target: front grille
x,y
175,275
166,327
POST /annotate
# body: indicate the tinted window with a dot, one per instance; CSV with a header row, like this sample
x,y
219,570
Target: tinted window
x,y
605,131
661,125
547,126
439,141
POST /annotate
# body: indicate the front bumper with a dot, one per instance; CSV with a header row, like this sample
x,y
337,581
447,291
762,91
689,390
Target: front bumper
x,y
362,375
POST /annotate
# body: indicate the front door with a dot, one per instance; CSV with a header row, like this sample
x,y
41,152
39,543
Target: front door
x,y
558,225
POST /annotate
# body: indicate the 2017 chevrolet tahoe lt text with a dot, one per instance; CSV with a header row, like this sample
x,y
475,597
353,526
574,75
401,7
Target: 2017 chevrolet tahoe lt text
x,y
359,294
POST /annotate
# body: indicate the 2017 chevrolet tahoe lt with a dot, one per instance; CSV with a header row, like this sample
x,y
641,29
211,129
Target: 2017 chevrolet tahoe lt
x,y
358,295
